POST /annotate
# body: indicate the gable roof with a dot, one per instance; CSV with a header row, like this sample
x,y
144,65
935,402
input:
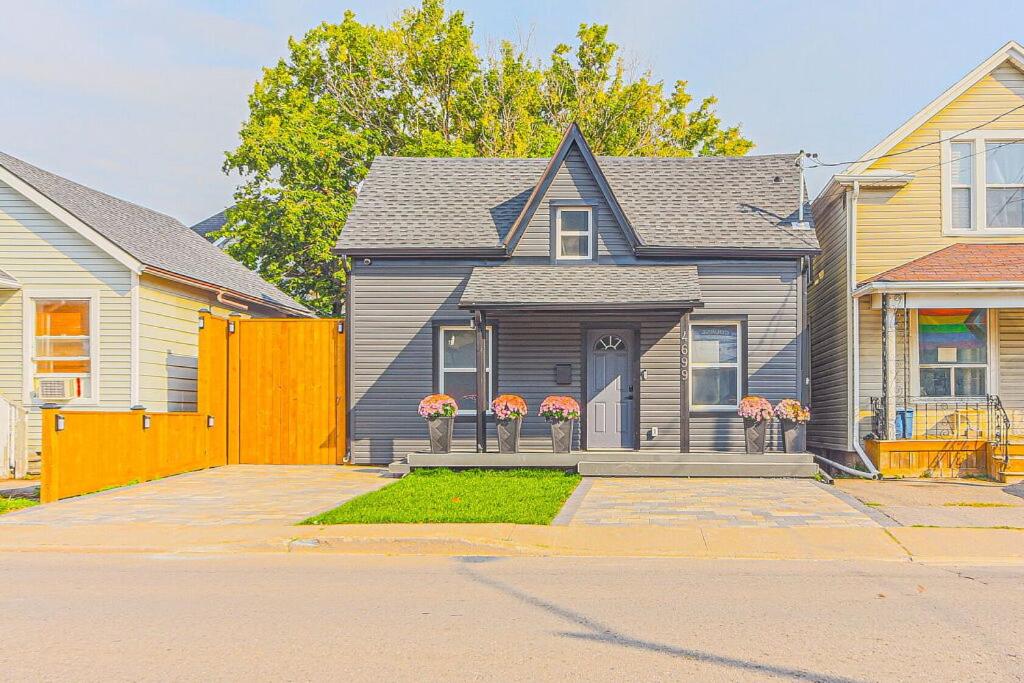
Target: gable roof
x,y
961,263
419,206
211,224
152,239
572,138
1012,52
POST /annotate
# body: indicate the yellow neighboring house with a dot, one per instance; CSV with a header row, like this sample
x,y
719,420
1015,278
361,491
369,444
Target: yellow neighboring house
x,y
917,301
99,302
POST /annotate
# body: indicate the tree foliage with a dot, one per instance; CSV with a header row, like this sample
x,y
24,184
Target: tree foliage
x,y
349,91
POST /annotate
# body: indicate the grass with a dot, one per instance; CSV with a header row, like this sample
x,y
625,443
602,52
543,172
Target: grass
x,y
979,505
470,496
12,504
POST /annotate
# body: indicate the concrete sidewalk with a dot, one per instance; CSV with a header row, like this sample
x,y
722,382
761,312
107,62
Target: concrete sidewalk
x,y
983,546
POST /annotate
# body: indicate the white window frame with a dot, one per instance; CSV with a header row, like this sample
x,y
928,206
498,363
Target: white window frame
x,y
991,367
29,299
738,324
979,211
589,232
441,369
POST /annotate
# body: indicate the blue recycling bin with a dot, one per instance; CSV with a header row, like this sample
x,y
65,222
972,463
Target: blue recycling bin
x,y
905,423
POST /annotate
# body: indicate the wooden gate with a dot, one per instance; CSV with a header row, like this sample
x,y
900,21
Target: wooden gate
x,y
286,393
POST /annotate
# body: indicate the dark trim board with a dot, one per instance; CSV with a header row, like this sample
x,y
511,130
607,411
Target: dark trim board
x,y
732,253
599,308
585,328
424,252
684,383
349,412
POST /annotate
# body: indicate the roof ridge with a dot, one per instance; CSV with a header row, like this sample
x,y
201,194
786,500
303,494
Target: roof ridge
x,y
91,190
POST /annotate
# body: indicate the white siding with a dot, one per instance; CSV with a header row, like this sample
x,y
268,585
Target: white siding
x,y
43,253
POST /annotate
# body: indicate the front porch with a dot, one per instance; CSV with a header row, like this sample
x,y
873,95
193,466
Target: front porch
x,y
939,392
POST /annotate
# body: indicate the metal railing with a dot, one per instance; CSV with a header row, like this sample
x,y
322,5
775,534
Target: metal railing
x,y
981,419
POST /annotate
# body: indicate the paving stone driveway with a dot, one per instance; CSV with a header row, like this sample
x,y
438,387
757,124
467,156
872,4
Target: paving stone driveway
x,y
711,503
236,494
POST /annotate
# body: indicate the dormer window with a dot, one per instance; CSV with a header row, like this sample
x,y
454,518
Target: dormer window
x,y
983,182
574,233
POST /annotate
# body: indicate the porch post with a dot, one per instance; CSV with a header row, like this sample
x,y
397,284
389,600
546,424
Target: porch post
x,y
480,324
888,367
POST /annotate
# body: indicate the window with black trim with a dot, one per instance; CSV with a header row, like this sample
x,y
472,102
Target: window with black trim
x,y
716,365
456,365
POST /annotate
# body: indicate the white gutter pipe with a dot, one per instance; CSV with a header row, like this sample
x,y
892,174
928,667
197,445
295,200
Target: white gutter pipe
x,y
872,472
848,470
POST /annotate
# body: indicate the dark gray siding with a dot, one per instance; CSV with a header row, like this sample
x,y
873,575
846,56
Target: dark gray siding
x,y
394,302
573,180
766,295
828,307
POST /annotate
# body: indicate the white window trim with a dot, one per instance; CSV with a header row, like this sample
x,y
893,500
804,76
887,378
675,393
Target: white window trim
x,y
738,324
589,233
979,217
441,369
992,367
29,297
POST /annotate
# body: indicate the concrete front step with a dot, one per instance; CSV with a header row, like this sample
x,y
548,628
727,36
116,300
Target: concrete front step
x,y
708,456
698,469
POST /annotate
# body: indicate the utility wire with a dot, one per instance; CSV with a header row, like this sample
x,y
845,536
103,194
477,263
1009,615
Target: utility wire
x,y
907,174
921,146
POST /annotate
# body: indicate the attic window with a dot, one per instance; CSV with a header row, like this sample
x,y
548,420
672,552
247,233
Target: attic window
x,y
574,233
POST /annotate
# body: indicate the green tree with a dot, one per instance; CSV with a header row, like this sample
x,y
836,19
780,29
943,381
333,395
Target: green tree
x,y
348,92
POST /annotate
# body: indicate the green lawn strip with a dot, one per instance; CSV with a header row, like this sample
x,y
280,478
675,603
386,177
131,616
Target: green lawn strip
x,y
12,504
469,496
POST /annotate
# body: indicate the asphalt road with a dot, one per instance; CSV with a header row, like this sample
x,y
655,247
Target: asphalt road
x,y
319,617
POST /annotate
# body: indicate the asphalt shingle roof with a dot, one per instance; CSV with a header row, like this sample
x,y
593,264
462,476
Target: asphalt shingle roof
x,y
208,225
698,202
961,263
572,287
154,239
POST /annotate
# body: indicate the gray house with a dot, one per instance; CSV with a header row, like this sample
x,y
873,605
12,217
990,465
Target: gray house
x,y
657,291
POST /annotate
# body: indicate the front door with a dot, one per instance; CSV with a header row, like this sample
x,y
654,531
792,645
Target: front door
x,y
610,384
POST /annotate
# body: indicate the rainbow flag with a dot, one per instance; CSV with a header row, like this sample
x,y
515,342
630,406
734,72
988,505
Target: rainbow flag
x,y
961,328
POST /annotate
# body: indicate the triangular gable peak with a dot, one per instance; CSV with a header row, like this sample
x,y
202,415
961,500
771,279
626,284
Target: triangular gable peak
x,y
573,147
1012,52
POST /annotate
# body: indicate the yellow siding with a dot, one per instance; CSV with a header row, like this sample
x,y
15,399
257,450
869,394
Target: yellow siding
x,y
896,226
43,253
169,342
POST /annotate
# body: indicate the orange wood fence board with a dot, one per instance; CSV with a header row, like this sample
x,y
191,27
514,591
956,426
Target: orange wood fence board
x,y
270,391
289,392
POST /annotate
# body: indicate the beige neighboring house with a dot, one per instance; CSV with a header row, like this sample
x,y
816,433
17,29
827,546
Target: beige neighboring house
x,y
917,299
98,305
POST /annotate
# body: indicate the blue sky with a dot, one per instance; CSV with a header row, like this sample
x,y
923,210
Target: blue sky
x,y
141,99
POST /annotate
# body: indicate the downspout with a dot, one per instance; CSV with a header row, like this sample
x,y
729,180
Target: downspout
x,y
221,299
873,472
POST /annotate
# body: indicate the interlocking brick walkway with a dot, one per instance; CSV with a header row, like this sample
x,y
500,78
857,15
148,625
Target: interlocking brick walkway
x,y
714,503
236,494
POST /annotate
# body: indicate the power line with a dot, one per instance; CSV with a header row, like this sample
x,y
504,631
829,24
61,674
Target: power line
x,y
819,164
908,174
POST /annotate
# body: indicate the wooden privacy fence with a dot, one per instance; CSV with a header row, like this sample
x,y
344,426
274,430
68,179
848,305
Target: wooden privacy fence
x,y
269,391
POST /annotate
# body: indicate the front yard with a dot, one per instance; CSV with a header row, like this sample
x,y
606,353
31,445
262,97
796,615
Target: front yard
x,y
12,504
444,496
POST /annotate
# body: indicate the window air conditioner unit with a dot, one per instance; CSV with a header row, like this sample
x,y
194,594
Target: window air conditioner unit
x,y
58,388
